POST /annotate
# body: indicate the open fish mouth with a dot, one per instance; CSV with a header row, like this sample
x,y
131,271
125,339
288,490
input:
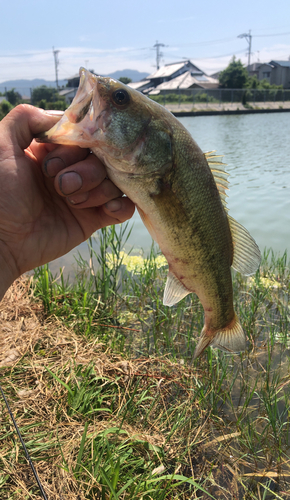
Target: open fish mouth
x,y
179,192
84,111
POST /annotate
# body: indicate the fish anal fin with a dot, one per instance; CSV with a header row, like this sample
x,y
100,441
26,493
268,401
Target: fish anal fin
x,y
174,290
247,256
230,339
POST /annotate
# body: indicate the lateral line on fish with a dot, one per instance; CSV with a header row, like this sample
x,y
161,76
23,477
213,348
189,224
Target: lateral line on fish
x,y
152,158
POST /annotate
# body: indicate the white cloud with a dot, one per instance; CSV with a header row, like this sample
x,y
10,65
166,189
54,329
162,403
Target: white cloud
x,y
40,64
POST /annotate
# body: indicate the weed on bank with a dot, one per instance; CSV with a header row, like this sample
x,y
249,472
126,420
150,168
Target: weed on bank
x,y
100,378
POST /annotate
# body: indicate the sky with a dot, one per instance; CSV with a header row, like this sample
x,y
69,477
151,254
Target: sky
x,y
118,34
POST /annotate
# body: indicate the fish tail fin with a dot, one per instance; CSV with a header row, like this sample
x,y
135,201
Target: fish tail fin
x,y
230,339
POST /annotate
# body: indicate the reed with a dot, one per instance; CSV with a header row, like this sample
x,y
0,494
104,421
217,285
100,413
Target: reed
x,y
111,405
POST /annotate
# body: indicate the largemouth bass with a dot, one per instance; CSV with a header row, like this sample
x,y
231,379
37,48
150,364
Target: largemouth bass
x,y
179,193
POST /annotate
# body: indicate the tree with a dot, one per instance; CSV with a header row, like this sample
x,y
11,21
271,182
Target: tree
x,y
235,76
254,83
13,97
5,107
125,79
44,92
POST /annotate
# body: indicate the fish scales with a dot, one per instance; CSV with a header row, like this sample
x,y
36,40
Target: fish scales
x,y
154,160
194,224
179,220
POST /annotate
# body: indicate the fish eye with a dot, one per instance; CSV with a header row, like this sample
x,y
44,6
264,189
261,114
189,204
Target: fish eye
x,y
121,97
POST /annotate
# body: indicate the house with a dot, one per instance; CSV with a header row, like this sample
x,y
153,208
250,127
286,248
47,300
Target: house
x,y
275,72
261,70
73,81
253,69
187,81
216,75
264,72
177,76
170,71
280,74
68,94
72,86
143,85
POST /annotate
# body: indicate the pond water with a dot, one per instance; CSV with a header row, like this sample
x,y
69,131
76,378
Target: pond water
x,y
256,149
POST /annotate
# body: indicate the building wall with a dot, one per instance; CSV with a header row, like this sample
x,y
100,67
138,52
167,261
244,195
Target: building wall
x,y
264,73
69,95
280,75
274,73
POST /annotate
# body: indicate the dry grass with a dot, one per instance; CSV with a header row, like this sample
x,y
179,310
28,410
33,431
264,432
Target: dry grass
x,y
164,418
28,344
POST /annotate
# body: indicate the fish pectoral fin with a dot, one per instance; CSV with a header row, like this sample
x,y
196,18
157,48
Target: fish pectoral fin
x,y
230,339
174,290
247,256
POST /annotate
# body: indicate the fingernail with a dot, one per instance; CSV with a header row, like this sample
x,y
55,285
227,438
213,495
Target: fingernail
x,y
53,166
78,198
114,205
70,182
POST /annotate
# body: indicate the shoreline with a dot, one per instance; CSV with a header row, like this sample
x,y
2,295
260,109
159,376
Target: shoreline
x,y
212,112
204,109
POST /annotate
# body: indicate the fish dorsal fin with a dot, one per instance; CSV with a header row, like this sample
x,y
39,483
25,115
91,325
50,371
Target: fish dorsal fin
x,y
174,290
219,174
247,256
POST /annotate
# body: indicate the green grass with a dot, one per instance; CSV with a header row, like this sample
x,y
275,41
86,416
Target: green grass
x,y
115,407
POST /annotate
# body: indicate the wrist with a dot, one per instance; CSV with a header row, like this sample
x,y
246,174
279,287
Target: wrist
x,y
8,270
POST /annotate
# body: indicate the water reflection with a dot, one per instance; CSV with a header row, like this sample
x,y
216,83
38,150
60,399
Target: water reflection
x,y
257,152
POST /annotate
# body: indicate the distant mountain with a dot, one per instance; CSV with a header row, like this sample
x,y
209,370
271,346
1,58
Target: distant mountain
x,y
24,86
135,75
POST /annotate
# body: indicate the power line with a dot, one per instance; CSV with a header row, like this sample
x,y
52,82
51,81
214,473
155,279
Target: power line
x,y
25,54
274,34
208,42
136,49
214,57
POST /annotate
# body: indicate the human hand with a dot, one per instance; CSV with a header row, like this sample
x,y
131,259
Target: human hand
x,y
51,197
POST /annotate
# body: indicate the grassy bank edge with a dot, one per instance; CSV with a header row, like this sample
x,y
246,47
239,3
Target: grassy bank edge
x,y
104,416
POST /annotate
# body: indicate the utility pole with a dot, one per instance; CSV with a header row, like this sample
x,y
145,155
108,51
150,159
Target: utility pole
x,y
56,63
158,53
248,37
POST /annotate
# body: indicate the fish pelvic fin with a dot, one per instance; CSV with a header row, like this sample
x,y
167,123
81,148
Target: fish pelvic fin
x,y
230,339
174,290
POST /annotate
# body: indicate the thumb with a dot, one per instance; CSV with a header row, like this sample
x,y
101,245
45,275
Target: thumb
x,y
23,123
